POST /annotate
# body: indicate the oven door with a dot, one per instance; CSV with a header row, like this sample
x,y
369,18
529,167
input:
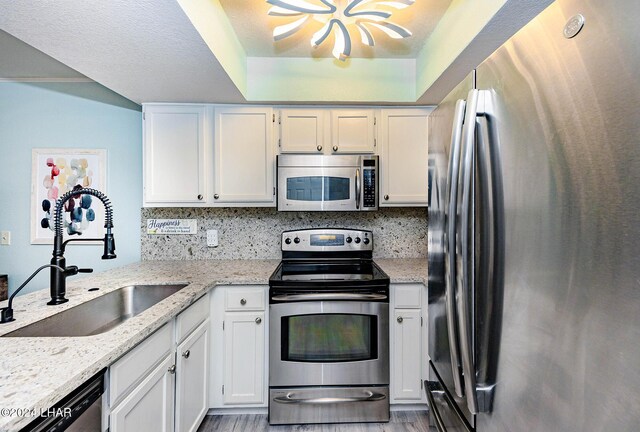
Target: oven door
x,y
319,188
329,343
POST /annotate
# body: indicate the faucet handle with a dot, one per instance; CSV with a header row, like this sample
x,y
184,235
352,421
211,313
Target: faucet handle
x,y
85,270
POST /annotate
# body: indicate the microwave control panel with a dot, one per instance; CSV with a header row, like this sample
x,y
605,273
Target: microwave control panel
x,y
369,189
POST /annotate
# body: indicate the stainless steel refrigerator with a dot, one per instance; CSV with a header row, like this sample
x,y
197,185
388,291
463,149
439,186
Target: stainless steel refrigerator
x,y
534,230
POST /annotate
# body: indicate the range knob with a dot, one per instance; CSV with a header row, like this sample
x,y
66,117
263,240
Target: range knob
x,y
349,239
296,240
365,241
357,240
287,240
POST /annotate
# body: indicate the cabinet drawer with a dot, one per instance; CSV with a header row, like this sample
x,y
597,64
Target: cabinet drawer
x,y
407,296
131,369
245,299
191,318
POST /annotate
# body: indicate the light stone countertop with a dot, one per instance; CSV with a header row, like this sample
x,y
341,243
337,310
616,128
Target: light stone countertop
x,y
35,373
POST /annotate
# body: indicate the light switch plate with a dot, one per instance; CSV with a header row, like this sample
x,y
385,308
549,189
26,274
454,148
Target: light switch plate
x,y
5,238
212,238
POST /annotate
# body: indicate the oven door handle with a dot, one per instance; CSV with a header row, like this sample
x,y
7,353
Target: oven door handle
x,y
368,397
328,296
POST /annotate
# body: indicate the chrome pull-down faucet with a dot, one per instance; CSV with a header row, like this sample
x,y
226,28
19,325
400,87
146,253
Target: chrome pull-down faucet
x,y
58,286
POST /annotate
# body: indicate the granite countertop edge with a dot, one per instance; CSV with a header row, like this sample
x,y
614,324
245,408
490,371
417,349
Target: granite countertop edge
x,y
25,383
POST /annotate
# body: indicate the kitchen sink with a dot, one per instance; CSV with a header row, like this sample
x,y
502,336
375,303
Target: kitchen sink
x,y
100,314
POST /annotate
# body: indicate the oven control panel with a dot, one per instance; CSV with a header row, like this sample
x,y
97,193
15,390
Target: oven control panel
x,y
327,239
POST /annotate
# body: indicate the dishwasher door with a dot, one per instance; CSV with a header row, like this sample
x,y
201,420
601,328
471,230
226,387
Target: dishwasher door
x,y
81,410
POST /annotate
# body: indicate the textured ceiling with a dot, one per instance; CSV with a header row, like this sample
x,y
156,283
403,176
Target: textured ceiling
x,y
254,29
22,61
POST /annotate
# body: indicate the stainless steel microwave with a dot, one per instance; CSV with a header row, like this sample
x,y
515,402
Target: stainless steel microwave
x,y
327,183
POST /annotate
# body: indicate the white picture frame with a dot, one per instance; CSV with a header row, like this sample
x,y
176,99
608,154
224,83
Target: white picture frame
x,y
86,167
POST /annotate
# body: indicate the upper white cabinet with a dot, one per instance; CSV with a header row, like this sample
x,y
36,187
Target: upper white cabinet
x,y
404,157
224,155
353,131
175,155
327,131
244,156
302,131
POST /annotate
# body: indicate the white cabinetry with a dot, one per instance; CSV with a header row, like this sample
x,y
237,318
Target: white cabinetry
x,y
149,386
404,156
150,405
353,131
327,131
174,156
408,343
239,341
302,130
244,156
192,382
244,343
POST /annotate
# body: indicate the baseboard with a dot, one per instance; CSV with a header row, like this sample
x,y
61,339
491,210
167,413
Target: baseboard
x,y
410,407
236,411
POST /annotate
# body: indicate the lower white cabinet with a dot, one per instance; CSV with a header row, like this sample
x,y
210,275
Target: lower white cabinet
x,y
244,353
408,343
150,406
239,361
158,386
192,380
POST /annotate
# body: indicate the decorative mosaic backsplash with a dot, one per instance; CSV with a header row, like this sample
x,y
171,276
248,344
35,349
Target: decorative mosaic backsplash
x,y
254,233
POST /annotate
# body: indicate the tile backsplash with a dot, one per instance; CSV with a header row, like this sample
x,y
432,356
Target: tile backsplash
x,y
254,233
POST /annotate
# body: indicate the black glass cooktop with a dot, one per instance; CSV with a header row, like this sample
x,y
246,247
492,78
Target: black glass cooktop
x,y
328,272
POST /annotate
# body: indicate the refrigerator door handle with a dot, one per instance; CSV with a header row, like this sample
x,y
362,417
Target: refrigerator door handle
x,y
450,245
490,247
464,246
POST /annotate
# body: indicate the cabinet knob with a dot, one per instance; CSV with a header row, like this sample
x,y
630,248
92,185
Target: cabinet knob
x,y
335,148
400,319
319,148
172,369
243,302
386,197
258,320
216,196
186,354
200,197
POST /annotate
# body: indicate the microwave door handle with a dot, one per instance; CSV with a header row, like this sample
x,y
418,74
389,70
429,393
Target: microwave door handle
x,y
464,246
358,187
450,246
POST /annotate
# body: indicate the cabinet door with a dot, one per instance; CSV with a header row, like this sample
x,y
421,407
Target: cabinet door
x,y
244,157
353,131
301,131
244,342
404,157
192,379
149,407
406,378
175,138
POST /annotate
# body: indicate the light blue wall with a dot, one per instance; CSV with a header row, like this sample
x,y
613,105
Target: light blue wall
x,y
67,115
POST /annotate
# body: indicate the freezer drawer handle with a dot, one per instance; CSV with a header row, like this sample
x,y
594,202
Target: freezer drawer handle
x,y
434,410
368,397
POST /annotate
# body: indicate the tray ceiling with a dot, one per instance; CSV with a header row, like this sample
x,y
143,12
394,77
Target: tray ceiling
x,y
254,29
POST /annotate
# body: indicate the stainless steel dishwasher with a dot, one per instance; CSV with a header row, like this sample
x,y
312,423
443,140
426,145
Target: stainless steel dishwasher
x,y
81,410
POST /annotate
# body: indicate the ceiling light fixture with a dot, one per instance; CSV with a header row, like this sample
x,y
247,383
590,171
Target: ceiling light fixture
x,y
337,16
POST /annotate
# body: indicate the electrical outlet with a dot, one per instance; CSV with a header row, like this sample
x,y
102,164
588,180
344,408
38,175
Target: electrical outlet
x,y
212,238
5,238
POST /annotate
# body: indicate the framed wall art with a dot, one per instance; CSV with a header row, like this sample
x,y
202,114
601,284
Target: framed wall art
x,y
56,172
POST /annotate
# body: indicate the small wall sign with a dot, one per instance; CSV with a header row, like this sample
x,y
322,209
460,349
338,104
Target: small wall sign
x,y
172,226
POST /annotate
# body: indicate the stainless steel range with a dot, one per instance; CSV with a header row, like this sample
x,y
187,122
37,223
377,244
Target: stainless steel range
x,y
329,330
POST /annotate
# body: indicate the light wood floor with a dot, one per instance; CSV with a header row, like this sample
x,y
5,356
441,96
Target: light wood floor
x,y
401,421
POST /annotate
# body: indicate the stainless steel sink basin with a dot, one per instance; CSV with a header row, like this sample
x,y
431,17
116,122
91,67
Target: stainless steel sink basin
x,y
100,314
